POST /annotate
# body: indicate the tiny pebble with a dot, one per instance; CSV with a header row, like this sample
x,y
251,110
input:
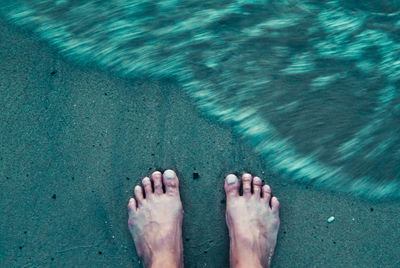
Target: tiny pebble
x,y
331,219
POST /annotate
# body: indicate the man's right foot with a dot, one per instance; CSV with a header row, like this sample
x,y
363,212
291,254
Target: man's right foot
x,y
155,221
253,221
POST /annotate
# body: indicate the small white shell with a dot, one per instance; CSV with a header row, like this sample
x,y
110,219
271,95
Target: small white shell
x,y
331,219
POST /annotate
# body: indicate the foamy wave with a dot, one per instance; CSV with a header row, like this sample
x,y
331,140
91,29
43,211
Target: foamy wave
x,y
313,86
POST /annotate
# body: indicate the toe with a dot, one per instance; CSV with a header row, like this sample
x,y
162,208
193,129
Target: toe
x,y
171,182
157,179
275,205
139,194
231,186
257,187
147,187
266,193
246,180
131,205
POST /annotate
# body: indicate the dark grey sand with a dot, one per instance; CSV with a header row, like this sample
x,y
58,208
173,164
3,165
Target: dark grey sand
x,y
74,141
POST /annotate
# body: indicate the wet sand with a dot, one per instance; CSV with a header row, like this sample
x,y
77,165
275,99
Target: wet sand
x,y
75,140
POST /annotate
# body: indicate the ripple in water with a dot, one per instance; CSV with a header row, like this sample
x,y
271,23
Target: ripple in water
x,y
313,86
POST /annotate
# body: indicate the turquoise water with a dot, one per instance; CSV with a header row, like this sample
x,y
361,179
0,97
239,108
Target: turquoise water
x,y
313,86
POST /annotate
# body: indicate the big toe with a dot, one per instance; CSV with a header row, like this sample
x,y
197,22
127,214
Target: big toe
x,y
171,182
231,186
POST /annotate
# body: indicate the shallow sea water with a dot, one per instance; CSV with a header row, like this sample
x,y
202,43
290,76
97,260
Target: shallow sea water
x,y
314,87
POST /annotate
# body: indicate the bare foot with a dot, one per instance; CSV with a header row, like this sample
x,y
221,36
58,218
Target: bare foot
x,y
252,222
155,221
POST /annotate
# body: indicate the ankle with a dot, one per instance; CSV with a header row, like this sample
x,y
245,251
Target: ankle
x,y
245,261
247,265
241,256
165,260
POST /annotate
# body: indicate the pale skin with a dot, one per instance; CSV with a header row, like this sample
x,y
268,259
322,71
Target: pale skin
x,y
155,221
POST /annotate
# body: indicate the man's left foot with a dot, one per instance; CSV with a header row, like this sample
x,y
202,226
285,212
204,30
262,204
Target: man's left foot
x,y
155,220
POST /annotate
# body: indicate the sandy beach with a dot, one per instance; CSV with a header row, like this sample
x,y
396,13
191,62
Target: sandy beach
x,y
75,140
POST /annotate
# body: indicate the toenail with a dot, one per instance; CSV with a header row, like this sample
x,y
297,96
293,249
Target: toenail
x,y
137,188
257,180
231,179
169,174
146,180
